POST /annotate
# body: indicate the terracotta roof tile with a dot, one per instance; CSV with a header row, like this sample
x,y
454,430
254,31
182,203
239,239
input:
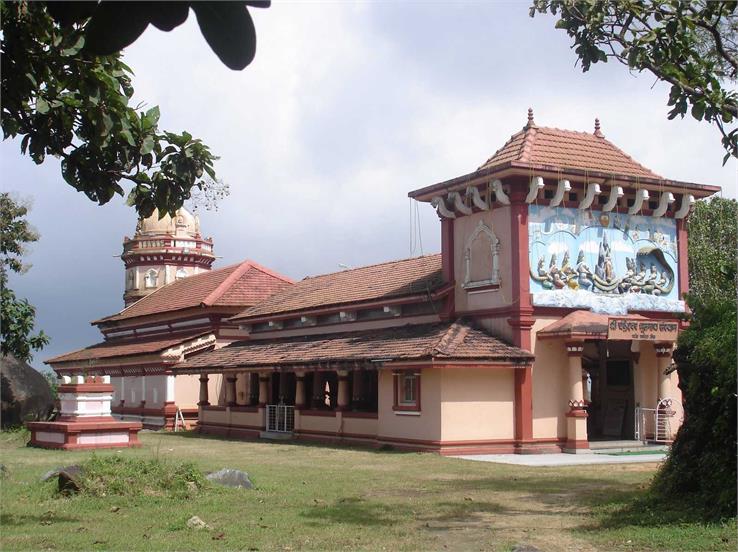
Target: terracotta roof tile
x,y
440,341
385,280
239,285
125,347
581,323
567,149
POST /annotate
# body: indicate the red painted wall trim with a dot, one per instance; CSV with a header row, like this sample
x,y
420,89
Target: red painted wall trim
x,y
683,267
522,320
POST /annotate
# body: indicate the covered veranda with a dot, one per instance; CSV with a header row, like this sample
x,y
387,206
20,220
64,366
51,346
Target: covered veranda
x,y
620,379
361,386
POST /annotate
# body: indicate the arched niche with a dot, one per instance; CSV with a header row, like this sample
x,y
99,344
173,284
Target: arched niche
x,y
481,258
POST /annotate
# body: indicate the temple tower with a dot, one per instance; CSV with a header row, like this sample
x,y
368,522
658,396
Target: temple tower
x,y
164,250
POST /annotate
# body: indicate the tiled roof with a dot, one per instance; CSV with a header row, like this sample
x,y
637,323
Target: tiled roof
x,y
125,347
581,323
440,341
566,149
380,281
239,285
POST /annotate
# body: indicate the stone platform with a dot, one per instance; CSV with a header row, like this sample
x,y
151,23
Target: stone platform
x,y
86,421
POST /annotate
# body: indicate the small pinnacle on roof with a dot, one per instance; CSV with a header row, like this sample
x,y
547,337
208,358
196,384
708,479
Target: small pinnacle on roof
x,y
531,122
597,131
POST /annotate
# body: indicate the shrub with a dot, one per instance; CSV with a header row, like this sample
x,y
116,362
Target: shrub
x,y
115,475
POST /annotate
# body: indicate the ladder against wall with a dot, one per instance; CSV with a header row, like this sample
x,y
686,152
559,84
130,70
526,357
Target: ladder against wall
x,y
654,424
179,422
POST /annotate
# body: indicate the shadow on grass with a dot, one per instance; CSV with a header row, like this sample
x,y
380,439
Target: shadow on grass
x,y
19,520
355,511
358,511
642,509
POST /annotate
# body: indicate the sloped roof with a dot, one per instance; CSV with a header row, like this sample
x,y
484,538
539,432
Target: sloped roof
x,y
380,281
239,285
582,323
567,149
440,341
125,347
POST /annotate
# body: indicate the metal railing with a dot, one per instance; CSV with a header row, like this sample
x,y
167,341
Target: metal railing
x,y
280,418
653,424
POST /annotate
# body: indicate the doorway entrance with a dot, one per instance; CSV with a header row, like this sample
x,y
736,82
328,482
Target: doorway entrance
x,y
609,369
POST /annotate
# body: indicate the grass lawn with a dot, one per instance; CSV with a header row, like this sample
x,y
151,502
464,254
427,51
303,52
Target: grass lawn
x,y
323,498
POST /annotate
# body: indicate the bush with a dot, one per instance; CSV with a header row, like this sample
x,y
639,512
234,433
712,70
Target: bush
x,y
118,476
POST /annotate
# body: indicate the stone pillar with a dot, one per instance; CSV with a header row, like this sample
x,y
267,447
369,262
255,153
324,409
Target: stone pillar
x,y
318,395
169,397
282,387
230,390
357,388
253,398
343,390
263,389
576,418
143,391
663,360
300,390
203,391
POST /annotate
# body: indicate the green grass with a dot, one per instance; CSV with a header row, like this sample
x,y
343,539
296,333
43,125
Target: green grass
x,y
310,497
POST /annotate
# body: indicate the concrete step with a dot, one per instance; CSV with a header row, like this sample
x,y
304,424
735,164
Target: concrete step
x,y
614,447
275,435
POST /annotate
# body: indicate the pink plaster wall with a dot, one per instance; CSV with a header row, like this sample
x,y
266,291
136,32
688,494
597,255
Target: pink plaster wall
x,y
498,220
426,425
477,404
550,384
360,426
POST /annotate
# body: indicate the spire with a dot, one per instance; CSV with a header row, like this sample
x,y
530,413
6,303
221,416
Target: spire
x,y
531,122
597,131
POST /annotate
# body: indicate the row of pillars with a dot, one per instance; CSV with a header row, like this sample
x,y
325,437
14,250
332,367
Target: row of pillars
x,y
318,396
576,437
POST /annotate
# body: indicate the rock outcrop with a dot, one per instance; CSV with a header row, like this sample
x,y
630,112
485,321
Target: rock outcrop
x,y
25,394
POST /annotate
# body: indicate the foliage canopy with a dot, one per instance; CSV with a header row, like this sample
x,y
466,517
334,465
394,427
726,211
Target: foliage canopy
x,y
64,101
702,464
691,44
17,316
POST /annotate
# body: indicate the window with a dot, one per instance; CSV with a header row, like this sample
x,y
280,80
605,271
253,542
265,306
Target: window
x,y
150,278
407,391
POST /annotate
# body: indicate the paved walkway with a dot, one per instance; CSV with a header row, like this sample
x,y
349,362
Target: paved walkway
x,y
562,459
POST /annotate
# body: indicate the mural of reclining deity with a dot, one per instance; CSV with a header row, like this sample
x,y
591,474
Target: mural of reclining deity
x,y
622,257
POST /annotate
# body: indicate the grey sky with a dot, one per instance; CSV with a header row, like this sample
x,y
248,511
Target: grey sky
x,y
346,108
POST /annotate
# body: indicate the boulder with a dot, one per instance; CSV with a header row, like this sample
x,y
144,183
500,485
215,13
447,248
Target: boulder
x,y
196,523
26,395
228,477
69,480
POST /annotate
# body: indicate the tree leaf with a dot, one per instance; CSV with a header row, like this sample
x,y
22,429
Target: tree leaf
x,y
147,146
229,30
41,105
115,25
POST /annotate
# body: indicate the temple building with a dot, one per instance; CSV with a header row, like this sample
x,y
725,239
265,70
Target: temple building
x,y
176,307
162,250
546,323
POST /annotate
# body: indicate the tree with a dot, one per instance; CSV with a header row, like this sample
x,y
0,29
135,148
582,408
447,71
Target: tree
x,y
67,102
702,465
691,44
226,26
17,317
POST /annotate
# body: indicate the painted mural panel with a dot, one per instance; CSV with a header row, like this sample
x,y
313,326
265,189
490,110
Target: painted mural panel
x,y
606,262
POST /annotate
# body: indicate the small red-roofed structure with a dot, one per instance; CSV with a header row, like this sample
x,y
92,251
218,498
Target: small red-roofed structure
x,y
85,421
